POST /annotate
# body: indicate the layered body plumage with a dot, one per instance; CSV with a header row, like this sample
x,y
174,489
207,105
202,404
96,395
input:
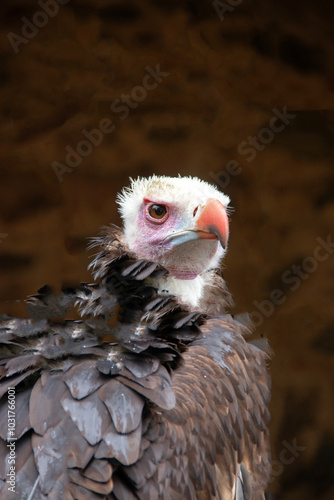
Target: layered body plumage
x,y
155,393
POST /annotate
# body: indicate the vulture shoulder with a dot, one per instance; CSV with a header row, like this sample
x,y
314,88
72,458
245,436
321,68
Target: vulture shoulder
x,y
144,398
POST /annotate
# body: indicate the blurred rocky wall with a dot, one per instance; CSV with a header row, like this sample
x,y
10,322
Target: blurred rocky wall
x,y
239,93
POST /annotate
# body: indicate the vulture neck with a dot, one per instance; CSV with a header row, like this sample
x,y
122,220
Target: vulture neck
x,y
189,291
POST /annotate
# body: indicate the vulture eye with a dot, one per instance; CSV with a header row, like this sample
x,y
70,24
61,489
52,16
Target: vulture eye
x,y
157,212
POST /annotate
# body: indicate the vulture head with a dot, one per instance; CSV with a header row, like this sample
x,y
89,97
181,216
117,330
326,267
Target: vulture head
x,y
179,222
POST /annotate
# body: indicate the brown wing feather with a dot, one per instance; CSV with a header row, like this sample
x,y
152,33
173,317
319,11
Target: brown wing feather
x,y
210,430
177,409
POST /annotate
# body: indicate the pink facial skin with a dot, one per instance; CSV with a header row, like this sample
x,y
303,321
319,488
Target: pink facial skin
x,y
149,241
185,261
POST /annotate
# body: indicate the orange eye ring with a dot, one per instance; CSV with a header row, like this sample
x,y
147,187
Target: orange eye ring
x,y
157,212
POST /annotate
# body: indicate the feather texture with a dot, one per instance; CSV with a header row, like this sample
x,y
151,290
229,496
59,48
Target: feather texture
x,y
175,407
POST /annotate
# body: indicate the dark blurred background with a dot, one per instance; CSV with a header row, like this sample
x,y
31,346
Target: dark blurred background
x,y
239,93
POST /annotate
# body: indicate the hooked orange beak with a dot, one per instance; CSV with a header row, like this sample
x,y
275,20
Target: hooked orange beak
x,y
213,222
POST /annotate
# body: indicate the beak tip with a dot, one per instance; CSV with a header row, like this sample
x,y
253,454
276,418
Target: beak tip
x,y
214,219
223,242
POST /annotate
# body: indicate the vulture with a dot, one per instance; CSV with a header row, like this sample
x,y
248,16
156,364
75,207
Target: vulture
x,y
154,392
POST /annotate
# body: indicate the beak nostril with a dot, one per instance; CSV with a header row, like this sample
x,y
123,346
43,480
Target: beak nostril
x,y
195,211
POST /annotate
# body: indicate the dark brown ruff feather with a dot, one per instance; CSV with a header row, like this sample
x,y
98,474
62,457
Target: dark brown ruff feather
x,y
170,411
